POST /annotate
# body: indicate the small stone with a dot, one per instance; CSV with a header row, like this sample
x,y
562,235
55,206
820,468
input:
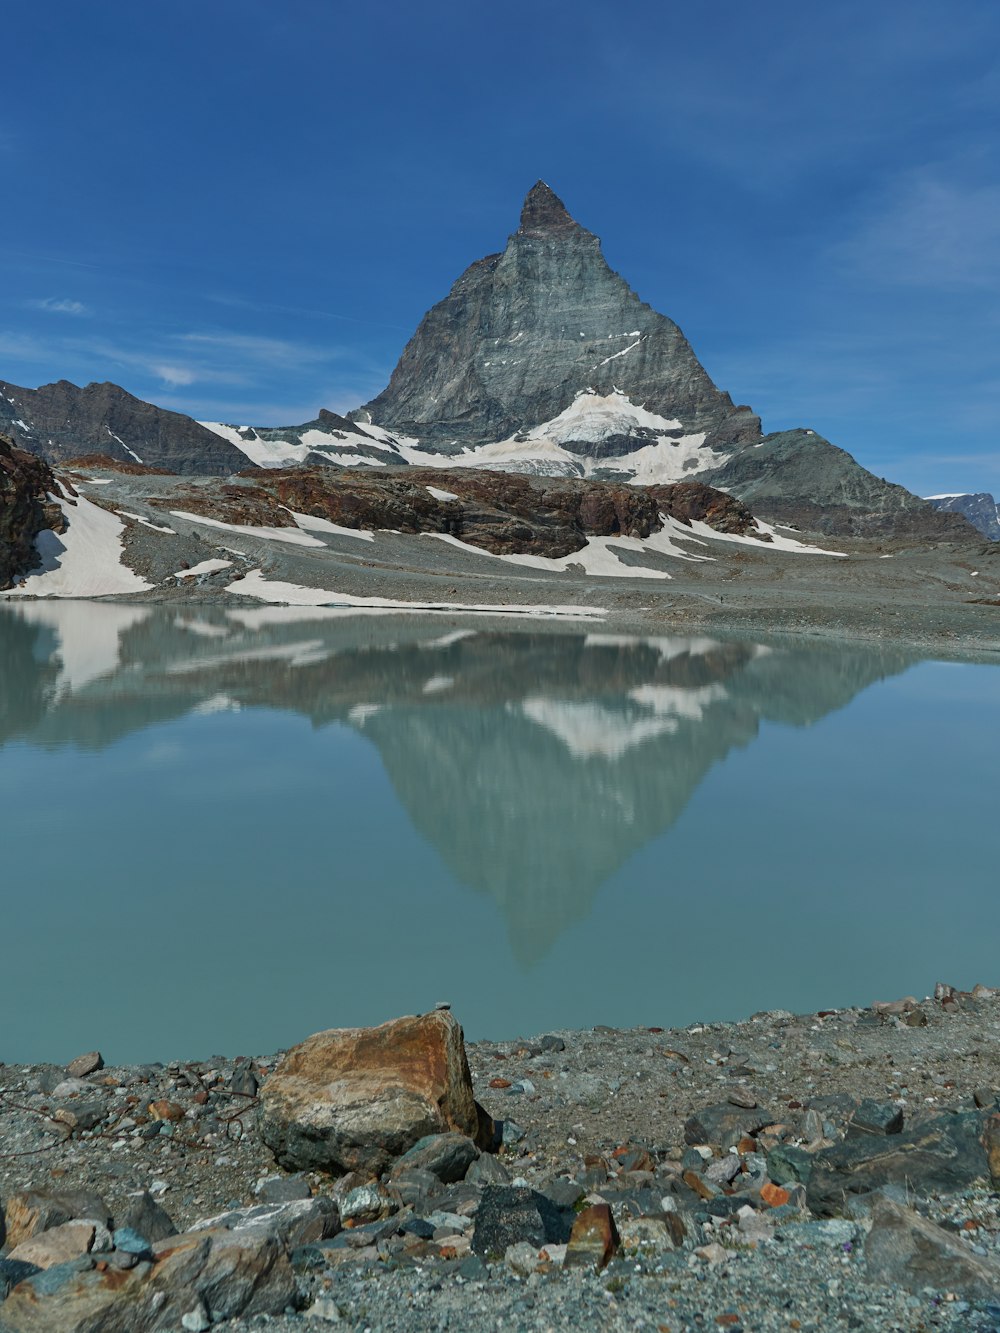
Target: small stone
x,y
143,1215
283,1189
985,1098
522,1258
552,1043
85,1064
446,1156
488,1170
873,1117
130,1241
324,1307
56,1246
367,1203
196,1320
594,1240
787,1164
702,1187
774,1196
244,1080
741,1097
712,1253
165,1110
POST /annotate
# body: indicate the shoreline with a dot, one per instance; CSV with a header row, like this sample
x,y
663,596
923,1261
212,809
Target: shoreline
x,y
606,1113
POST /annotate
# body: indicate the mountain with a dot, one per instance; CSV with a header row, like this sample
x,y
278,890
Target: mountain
x,y
981,509
62,421
543,359
523,334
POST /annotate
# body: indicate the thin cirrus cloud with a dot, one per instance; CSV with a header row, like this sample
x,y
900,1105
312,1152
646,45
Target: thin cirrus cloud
x,y
929,229
54,305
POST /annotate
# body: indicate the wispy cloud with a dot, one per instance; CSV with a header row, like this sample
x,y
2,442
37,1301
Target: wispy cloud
x,y
174,376
930,228
59,306
276,351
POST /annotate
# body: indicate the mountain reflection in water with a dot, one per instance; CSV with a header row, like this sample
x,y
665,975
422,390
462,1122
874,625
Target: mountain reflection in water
x,y
536,764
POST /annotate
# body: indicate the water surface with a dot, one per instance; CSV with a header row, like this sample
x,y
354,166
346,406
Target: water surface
x,y
222,831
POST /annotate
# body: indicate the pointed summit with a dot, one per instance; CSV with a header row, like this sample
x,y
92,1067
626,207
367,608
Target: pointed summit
x,y
544,211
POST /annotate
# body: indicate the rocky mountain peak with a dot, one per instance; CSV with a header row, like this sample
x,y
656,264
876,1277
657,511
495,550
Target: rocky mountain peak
x,y
543,210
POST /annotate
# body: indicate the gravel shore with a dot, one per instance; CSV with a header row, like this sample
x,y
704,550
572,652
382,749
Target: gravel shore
x,y
596,1116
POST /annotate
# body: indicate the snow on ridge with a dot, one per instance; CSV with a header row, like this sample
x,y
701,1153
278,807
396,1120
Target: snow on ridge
x,y
282,453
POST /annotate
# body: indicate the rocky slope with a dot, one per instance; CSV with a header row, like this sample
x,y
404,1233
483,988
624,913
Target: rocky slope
x,y
25,510
62,421
981,509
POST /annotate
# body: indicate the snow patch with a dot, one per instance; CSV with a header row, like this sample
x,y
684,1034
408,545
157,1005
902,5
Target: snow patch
x,y
442,495
85,560
272,590
293,536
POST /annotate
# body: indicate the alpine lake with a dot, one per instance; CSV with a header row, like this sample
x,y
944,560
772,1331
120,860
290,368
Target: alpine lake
x,y
225,829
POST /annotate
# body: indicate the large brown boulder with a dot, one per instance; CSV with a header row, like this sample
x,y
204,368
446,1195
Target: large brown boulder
x,y
354,1099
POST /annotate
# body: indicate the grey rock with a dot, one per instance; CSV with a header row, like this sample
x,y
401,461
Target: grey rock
x,y
942,1155
414,1188
509,1214
301,1222
488,1170
283,1189
13,1271
873,1117
137,1243
787,1164
907,1250
724,1124
446,1156
823,1231
85,1064
563,1193
552,1043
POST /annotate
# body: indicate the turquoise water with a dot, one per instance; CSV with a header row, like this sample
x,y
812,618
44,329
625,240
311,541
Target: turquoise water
x,y
223,831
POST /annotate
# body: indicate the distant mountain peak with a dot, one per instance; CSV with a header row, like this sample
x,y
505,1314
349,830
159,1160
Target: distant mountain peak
x,y
543,210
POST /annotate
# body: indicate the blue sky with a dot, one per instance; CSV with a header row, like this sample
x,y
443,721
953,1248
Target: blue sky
x,y
241,209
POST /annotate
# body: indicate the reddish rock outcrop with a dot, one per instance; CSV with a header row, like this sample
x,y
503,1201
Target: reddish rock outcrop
x,y
501,512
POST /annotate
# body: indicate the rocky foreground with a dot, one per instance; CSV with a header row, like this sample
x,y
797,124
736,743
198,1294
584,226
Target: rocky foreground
x,y
821,1171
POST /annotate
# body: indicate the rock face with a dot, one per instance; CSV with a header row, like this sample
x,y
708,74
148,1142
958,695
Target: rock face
x,y
522,333
62,421
25,509
981,509
354,1099
500,512
797,477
